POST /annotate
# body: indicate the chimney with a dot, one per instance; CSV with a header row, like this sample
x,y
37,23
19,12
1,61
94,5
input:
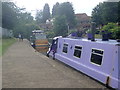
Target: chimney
x,y
93,28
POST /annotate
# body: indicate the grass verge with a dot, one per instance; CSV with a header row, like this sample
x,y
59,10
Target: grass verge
x,y
5,44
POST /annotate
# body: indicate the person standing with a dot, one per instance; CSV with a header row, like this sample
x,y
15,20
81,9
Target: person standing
x,y
19,36
22,37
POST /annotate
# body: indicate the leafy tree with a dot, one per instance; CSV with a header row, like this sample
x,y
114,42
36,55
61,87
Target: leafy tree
x,y
0,14
110,12
46,13
25,25
119,13
60,26
55,9
97,14
39,17
9,15
106,12
17,19
66,9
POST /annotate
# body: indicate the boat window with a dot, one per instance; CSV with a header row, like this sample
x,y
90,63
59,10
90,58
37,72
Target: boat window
x,y
96,56
65,48
77,51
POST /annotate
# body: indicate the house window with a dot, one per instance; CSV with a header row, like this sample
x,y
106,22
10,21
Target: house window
x,y
96,56
77,51
65,48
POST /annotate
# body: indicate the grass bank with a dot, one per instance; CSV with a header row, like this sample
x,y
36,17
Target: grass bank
x,y
5,44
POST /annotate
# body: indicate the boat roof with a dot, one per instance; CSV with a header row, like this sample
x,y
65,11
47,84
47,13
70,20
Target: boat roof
x,y
113,42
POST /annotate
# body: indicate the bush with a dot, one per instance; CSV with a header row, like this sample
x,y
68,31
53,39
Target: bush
x,y
113,29
116,32
50,34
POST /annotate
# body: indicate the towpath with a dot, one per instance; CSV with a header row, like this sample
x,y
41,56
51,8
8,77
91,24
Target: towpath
x,y
22,67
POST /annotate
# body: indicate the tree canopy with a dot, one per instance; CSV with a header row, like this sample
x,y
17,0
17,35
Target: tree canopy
x,y
64,18
60,26
43,15
9,14
46,13
55,9
67,10
106,12
0,14
17,19
39,17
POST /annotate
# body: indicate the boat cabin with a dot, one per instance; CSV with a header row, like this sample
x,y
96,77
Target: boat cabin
x,y
98,59
39,41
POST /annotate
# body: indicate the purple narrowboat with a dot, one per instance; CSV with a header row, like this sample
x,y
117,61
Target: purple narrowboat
x,y
99,59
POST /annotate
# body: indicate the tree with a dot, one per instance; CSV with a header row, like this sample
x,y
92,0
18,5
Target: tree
x,y
110,12
9,14
55,9
66,9
97,14
39,17
60,26
119,13
0,14
46,13
25,25
106,12
17,19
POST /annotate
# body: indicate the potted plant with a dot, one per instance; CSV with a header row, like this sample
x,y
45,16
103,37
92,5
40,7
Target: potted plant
x,y
105,35
89,34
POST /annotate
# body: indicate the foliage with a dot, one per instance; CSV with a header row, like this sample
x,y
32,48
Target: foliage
x,y
116,32
97,14
112,28
63,15
43,15
64,18
17,19
60,26
39,17
109,26
55,9
25,25
0,14
9,14
46,13
50,34
106,12
65,9
119,12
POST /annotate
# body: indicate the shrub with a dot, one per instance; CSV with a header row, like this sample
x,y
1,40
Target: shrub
x,y
113,29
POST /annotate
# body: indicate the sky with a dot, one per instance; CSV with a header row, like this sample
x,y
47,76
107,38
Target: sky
x,y
79,6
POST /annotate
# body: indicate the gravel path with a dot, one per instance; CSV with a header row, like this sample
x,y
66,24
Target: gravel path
x,y
22,67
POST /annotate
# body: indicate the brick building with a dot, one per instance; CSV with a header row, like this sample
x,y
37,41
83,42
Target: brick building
x,y
83,21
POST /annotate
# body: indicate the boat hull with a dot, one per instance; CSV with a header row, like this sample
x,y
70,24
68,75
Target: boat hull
x,y
106,72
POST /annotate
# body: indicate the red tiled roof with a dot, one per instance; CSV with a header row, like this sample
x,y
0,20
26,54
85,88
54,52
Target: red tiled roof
x,y
82,16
